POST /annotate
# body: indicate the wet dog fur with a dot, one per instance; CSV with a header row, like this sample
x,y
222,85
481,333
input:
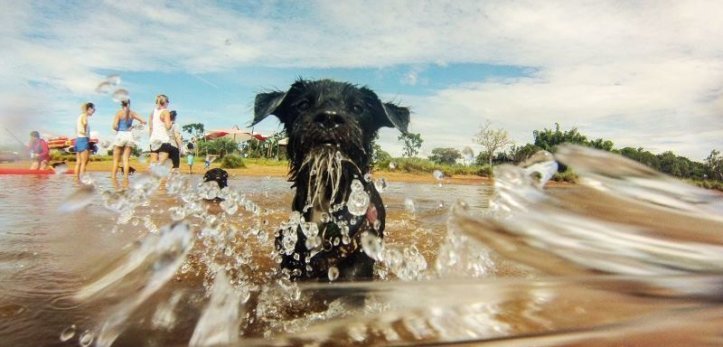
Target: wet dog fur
x,y
331,126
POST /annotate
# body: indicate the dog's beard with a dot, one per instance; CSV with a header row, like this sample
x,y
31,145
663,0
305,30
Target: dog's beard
x,y
327,170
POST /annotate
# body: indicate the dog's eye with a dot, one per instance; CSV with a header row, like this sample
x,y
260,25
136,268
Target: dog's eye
x,y
356,108
303,105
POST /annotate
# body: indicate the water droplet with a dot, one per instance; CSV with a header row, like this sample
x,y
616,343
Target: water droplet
x,y
229,206
103,88
368,177
380,184
438,174
333,273
313,243
68,333
373,246
86,338
120,95
358,201
409,205
177,213
356,185
540,165
86,179
114,80
60,169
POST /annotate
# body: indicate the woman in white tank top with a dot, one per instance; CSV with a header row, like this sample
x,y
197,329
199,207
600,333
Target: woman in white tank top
x,y
159,124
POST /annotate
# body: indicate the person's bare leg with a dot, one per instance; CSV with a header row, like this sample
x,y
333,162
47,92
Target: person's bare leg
x,y
162,157
77,166
84,157
126,157
152,158
34,165
116,161
44,165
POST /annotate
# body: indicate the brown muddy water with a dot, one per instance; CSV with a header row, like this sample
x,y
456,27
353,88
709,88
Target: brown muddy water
x,y
627,257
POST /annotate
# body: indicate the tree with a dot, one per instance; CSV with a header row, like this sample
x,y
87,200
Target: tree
x,y
492,140
412,143
549,140
519,154
714,165
445,155
196,130
468,155
220,146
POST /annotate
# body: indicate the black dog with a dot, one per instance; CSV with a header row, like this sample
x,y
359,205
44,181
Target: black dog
x,y
131,170
331,126
220,176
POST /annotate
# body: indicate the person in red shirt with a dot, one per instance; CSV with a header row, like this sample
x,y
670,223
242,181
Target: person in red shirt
x,y
39,152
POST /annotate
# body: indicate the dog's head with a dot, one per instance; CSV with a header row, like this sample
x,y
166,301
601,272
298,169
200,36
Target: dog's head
x,y
218,175
328,114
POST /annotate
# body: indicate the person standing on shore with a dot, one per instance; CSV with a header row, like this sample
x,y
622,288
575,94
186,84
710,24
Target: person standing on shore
x,y
124,142
82,139
176,142
159,125
39,152
189,157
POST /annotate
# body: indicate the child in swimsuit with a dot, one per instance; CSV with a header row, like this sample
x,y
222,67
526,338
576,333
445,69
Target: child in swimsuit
x,y
39,152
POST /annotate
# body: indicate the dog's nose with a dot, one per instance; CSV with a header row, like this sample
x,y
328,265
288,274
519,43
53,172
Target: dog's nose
x,y
328,119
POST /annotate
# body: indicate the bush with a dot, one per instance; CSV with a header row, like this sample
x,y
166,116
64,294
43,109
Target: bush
x,y
417,165
565,176
232,161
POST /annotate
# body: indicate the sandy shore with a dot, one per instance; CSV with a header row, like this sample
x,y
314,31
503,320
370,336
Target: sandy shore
x,y
252,169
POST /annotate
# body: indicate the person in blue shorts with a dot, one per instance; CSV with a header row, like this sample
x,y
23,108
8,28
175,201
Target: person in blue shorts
x,y
82,139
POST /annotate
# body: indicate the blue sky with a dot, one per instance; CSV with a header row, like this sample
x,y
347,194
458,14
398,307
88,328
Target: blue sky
x,y
648,75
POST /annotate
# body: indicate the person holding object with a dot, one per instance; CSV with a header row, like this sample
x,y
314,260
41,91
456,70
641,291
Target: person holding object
x,y
159,125
82,139
124,141
39,152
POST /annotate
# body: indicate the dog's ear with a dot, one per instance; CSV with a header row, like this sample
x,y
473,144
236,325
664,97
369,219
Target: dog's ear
x,y
397,116
267,104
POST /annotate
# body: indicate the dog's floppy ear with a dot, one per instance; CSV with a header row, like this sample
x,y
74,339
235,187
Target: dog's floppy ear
x,y
397,116
267,104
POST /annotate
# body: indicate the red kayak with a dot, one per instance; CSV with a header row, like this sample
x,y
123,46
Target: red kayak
x,y
21,171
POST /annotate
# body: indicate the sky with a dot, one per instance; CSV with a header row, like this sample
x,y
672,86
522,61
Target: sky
x,y
641,74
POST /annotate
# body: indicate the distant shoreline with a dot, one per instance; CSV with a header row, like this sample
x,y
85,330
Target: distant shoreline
x,y
254,169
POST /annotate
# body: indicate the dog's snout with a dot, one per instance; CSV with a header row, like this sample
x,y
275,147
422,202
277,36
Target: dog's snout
x,y
329,119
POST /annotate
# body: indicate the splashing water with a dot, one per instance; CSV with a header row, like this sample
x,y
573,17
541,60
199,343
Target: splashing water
x,y
81,198
60,170
358,201
438,175
103,87
68,333
86,338
120,95
626,255
114,80
409,205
